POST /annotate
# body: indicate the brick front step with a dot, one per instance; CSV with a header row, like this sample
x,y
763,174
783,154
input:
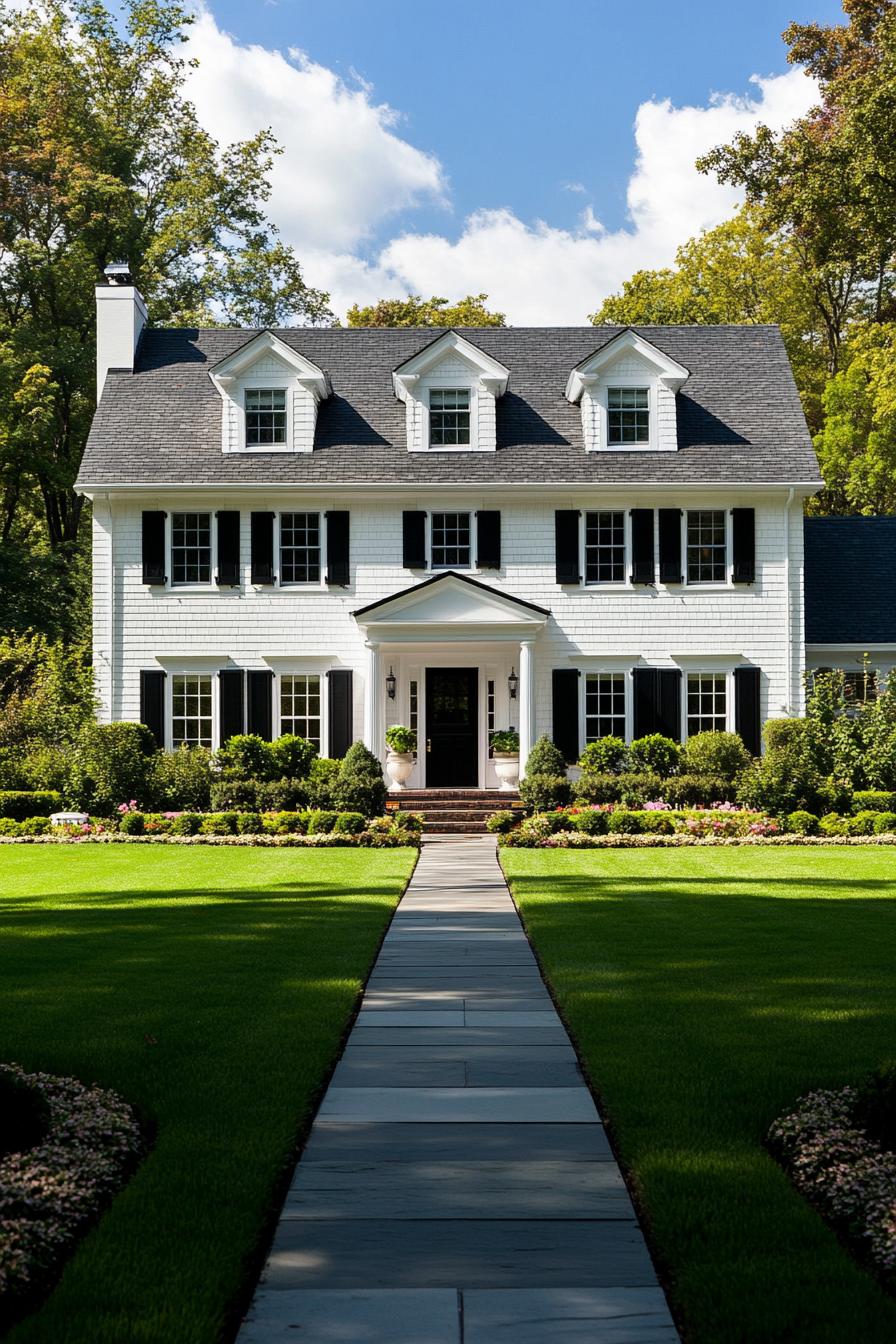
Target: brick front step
x,y
455,828
454,811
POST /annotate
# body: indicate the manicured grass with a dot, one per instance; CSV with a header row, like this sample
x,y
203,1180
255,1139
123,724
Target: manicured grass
x,y
210,988
707,989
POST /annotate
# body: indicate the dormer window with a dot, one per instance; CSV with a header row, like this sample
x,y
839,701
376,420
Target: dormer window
x,y
449,417
265,417
628,416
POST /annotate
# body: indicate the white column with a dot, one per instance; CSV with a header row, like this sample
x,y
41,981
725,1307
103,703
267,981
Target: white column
x,y
373,700
527,701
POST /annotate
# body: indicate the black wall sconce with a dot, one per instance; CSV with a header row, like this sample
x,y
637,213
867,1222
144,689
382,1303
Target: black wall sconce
x,y
513,682
390,685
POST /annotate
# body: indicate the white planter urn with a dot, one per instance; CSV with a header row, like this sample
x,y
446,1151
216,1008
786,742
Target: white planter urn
x,y
507,768
399,765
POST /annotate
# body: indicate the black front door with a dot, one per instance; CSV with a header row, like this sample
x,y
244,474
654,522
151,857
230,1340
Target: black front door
x,y
452,749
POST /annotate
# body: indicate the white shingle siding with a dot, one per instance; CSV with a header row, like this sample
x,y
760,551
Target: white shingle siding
x,y
627,372
452,372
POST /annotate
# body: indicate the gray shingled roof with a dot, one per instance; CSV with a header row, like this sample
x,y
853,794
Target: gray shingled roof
x,y
850,580
739,415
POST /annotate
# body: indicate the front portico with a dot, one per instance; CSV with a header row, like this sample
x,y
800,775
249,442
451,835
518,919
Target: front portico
x,y
462,655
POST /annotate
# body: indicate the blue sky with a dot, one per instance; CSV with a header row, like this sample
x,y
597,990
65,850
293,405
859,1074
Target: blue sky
x,y
526,109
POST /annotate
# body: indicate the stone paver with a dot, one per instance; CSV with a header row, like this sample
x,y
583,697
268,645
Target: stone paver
x,y
457,1186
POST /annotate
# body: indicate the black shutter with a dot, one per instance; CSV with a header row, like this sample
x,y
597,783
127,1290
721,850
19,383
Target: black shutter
x,y
413,526
230,687
644,695
747,682
642,546
743,538
566,538
337,549
260,704
228,547
262,548
488,539
565,723
152,704
670,545
153,547
657,702
339,687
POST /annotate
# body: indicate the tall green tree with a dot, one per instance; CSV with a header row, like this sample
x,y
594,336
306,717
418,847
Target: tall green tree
x,y
102,159
415,311
857,445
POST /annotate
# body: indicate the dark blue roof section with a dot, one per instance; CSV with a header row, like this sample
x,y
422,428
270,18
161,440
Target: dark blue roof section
x,y
850,580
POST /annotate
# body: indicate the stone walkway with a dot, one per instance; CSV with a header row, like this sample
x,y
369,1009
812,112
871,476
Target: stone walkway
x,y
457,1186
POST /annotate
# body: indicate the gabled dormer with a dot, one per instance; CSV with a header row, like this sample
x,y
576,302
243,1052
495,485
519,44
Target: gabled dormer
x,y
449,390
270,394
627,393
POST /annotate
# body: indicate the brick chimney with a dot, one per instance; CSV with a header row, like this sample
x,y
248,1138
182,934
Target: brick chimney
x,y
120,318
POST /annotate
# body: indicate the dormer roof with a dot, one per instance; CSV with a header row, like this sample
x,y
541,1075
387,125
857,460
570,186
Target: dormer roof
x,y
227,370
490,372
672,374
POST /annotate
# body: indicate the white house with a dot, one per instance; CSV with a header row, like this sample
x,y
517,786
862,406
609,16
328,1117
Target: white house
x,y
571,531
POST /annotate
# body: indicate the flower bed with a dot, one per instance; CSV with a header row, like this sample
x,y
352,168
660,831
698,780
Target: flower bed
x,y
49,1192
845,1172
313,828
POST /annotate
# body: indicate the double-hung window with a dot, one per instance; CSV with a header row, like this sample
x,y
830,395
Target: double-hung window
x,y
707,702
707,546
191,548
628,417
605,548
265,417
300,548
191,710
449,417
300,706
859,688
450,546
604,705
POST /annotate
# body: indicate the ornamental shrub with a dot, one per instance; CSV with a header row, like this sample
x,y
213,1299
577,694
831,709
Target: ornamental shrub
x,y
249,823
861,823
35,826
21,803
634,790
590,821
656,823
234,795
621,822
499,823
187,823
244,756
784,781
280,795
606,756
348,823
286,823
801,823
111,764
359,785
546,759
401,739
697,790
181,779
132,823
654,754
290,757
544,793
320,780
320,823
832,824
598,788
873,800
885,823
722,755
408,821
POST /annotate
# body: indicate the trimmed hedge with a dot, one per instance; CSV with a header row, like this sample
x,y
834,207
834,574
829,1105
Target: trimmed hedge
x,y
17,804
873,800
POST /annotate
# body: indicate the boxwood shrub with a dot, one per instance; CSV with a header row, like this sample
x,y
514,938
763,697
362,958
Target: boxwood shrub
x,y
697,790
801,823
17,804
873,800
885,823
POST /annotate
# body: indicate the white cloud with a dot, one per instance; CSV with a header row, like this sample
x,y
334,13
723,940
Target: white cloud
x,y
345,169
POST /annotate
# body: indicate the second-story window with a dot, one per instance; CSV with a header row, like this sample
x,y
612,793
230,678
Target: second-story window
x,y
300,548
191,548
449,417
451,541
605,548
628,416
707,546
265,417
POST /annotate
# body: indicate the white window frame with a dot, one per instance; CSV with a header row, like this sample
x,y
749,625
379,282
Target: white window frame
x,y
601,398
728,674
614,586
310,585
212,584
266,385
626,674
447,384
318,671
712,585
471,568
169,703
276,382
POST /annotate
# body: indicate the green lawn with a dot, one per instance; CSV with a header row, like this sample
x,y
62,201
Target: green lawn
x,y
211,988
706,990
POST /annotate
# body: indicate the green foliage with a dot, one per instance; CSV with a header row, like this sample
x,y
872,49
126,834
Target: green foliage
x,y
876,1105
624,823
245,756
47,698
187,823
401,739
280,795
654,754
111,766
19,804
290,757
633,789
606,756
832,824
132,823
590,821
219,823
545,759
542,793
505,741
697,790
801,823
359,785
873,800
320,823
349,823
855,743
415,311
249,823
721,754
321,778
234,795
499,823
861,823
181,779
286,823
857,444
885,823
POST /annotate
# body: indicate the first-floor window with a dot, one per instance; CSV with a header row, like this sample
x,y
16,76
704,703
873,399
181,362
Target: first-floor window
x,y
707,702
707,546
191,548
604,705
191,710
300,548
604,547
300,706
450,541
859,688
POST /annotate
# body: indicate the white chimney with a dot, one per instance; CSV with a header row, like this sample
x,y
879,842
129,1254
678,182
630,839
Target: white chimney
x,y
120,318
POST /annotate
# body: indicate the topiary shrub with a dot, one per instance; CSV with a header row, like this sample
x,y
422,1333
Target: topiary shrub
x,y
862,823
622,822
606,756
21,803
181,779
801,823
885,823
546,759
280,795
348,823
187,823
290,757
634,790
249,823
656,823
322,823
832,824
286,823
544,793
698,790
34,826
590,821
597,788
654,754
111,765
359,785
499,823
873,800
132,823
244,756
234,795
721,755
320,780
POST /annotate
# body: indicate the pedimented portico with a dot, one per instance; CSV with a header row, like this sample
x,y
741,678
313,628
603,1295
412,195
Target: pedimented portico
x,y
462,655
